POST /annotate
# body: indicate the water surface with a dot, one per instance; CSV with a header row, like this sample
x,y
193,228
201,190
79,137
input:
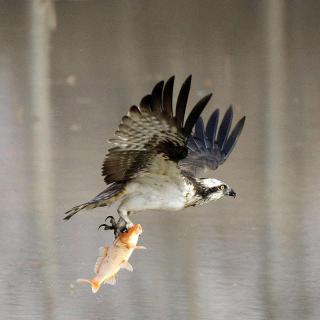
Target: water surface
x,y
69,70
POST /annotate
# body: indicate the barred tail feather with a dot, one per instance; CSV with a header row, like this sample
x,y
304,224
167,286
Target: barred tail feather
x,y
105,198
74,210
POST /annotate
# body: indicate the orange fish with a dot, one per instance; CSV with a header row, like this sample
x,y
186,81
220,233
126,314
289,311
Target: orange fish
x,y
113,258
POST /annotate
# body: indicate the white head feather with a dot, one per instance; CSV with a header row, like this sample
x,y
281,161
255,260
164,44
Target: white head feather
x,y
210,182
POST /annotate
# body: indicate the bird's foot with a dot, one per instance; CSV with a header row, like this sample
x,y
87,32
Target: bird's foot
x,y
110,226
117,227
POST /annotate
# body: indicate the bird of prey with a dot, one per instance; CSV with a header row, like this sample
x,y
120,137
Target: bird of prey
x,y
157,156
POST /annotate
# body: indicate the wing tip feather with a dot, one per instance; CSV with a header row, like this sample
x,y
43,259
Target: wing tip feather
x,y
182,101
195,114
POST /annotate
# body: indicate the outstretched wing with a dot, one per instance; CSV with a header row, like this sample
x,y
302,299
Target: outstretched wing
x,y
150,132
211,146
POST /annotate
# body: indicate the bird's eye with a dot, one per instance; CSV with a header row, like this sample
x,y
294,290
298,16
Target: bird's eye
x,y
222,187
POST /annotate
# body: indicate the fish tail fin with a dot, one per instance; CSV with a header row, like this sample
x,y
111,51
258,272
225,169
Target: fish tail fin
x,y
95,285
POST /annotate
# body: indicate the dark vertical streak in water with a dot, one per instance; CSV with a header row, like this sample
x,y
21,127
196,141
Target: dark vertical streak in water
x,y
41,21
275,154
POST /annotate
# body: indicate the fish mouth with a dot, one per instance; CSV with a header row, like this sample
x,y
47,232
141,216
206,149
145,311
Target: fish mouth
x,y
232,193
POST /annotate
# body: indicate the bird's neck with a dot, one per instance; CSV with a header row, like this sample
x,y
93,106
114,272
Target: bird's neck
x,y
197,193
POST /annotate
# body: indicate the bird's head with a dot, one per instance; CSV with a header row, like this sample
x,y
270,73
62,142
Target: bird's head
x,y
216,189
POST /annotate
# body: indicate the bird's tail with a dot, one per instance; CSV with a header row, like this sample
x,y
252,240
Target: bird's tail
x,y
74,210
105,198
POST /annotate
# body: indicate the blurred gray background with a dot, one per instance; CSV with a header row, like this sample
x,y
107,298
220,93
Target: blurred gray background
x,y
70,69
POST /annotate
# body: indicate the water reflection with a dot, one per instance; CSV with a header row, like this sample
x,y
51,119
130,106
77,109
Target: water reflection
x,y
70,70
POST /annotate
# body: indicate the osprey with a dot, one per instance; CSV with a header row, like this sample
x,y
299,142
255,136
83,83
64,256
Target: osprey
x,y
157,156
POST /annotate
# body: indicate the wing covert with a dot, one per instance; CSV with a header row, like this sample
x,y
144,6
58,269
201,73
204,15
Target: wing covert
x,y
151,130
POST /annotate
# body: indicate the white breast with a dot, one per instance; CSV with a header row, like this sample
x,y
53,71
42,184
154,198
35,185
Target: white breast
x,y
161,187
155,192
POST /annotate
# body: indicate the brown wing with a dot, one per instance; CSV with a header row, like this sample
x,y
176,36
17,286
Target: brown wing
x,y
151,130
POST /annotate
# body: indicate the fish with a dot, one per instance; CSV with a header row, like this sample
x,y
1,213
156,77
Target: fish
x,y
115,257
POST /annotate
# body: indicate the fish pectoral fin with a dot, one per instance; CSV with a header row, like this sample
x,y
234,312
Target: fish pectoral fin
x,y
126,265
140,247
135,247
112,281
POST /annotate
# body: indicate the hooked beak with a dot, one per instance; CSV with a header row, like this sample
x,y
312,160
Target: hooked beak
x,y
232,193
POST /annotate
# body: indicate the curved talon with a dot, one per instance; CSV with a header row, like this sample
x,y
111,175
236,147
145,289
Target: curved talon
x,y
112,220
102,225
112,226
113,223
105,226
